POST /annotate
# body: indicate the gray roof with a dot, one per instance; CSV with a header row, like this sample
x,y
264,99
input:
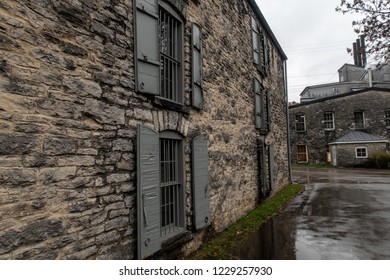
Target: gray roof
x,y
359,137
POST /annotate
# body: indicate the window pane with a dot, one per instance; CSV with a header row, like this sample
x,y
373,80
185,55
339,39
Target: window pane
x,y
387,117
300,123
170,75
328,120
171,187
301,153
361,152
359,119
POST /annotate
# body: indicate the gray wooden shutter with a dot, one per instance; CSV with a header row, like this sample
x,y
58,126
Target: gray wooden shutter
x,y
147,44
268,103
258,103
148,192
255,41
200,182
197,85
271,159
265,54
262,167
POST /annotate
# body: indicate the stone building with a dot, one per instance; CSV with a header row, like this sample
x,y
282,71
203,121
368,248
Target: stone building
x,y
133,129
354,148
343,130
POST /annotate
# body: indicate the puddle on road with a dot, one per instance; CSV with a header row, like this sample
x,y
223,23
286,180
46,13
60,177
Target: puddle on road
x,y
273,241
334,218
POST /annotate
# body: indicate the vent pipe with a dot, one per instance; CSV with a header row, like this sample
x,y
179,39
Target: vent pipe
x,y
370,77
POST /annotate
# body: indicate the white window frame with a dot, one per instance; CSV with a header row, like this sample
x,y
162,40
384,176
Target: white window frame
x,y
387,118
296,122
327,121
357,152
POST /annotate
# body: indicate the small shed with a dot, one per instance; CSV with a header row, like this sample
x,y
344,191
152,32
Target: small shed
x,y
354,148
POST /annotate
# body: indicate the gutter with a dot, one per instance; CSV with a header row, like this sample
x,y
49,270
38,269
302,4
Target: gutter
x,y
359,142
288,121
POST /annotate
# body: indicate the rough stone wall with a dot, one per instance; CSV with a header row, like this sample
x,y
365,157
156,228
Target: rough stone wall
x,y
346,153
372,102
68,117
229,109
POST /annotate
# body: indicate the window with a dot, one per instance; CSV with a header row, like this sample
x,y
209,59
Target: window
x,y
328,121
261,54
160,187
171,185
359,119
302,154
361,152
387,118
159,50
300,123
262,108
170,56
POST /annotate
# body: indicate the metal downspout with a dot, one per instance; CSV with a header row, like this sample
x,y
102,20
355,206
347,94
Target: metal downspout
x,y
288,120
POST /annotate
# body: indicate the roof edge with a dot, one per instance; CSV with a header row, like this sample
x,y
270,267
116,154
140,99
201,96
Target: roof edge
x,y
339,96
359,142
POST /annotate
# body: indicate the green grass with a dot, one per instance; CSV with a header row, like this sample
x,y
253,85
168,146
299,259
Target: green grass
x,y
218,246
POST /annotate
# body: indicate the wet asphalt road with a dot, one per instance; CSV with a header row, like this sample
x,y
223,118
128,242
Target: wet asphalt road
x,y
343,214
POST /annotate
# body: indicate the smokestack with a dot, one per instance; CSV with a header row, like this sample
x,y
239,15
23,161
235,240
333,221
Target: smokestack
x,y
363,51
355,54
359,55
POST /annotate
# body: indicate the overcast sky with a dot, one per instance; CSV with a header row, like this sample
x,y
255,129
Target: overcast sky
x,y
314,37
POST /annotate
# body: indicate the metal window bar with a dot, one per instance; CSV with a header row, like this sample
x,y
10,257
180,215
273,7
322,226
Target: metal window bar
x,y
170,186
170,64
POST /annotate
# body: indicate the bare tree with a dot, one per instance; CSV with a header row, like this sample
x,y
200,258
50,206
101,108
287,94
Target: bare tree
x,y
374,26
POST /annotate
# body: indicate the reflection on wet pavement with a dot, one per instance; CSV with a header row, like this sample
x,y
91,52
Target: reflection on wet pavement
x,y
342,214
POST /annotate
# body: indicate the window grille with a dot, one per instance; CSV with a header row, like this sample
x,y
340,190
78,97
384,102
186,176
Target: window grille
x,y
171,187
170,67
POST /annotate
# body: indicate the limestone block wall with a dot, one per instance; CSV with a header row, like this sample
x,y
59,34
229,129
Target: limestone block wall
x,y
68,118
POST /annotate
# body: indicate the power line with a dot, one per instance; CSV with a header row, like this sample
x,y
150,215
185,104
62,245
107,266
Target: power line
x,y
303,76
314,51
317,44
